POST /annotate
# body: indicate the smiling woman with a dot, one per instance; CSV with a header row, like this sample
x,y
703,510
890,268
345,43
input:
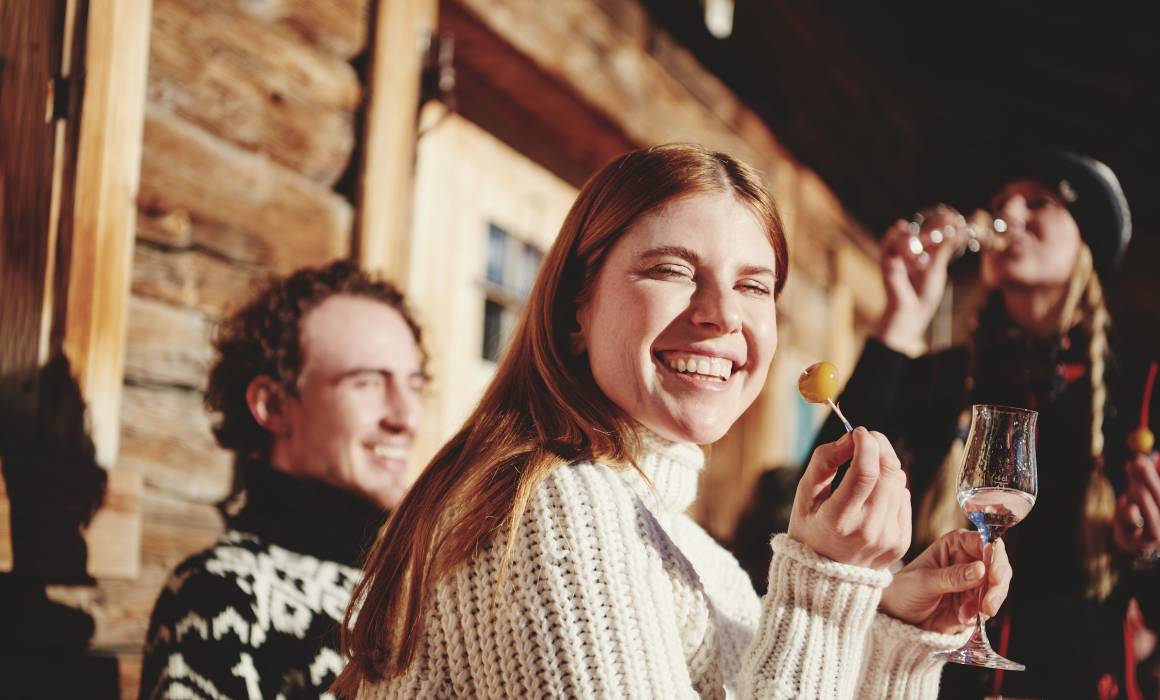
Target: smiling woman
x,y
545,551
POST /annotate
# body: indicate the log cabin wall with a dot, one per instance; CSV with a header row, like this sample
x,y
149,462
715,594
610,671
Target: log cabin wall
x,y
250,122
250,129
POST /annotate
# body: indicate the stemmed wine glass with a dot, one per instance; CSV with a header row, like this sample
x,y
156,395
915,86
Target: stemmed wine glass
x,y
997,488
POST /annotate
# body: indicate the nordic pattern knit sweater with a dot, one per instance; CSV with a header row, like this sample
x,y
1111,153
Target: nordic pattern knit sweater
x,y
258,614
613,592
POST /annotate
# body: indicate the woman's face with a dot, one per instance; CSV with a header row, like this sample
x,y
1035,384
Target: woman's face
x,y
1043,238
681,326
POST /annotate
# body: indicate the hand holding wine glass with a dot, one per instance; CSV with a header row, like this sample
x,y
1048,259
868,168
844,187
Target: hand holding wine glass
x,y
940,590
997,488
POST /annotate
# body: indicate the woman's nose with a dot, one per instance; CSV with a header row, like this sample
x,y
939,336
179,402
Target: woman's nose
x,y
715,307
1013,210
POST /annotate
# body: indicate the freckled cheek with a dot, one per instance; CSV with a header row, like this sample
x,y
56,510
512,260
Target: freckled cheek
x,y
762,333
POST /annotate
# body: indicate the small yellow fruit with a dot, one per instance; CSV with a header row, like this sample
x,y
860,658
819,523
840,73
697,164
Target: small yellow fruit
x,y
819,382
1141,440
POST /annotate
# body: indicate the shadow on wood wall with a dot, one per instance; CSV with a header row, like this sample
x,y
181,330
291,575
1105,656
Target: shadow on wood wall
x,y
54,487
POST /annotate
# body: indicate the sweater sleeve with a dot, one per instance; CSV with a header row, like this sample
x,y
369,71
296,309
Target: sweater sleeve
x,y
189,652
900,660
815,619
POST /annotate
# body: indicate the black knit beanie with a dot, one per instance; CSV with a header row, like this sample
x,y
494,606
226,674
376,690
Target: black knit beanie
x,y
1093,196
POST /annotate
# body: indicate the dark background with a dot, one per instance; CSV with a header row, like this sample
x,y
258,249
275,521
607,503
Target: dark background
x,y
899,105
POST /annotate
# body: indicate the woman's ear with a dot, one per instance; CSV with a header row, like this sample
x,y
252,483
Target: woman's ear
x,y
267,402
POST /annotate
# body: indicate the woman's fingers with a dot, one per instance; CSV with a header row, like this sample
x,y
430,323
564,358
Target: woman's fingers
x,y
998,579
822,467
1144,514
859,481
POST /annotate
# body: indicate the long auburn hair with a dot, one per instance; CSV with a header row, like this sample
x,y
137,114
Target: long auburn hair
x,y
542,409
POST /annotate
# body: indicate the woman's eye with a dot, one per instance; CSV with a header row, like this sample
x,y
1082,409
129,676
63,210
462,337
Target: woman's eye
x,y
755,288
670,272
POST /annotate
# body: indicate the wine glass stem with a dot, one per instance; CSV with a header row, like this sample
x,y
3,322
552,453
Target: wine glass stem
x,y
988,546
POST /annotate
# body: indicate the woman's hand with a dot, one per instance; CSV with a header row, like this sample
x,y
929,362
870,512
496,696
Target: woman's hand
x,y
938,591
914,282
866,520
1137,523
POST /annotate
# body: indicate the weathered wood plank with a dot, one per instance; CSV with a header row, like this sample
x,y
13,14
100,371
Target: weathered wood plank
x,y
192,278
615,72
239,204
167,345
31,43
108,166
167,437
388,163
231,74
339,26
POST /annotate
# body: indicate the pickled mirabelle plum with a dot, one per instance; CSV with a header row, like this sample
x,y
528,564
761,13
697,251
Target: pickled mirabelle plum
x,y
819,382
1141,441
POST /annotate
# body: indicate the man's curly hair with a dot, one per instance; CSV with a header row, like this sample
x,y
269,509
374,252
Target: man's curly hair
x,y
262,338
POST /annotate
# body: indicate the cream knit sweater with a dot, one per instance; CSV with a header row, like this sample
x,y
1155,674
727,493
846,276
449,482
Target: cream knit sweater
x,y
613,592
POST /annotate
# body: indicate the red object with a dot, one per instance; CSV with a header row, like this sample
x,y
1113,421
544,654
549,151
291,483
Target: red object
x,y
1148,384
1107,687
1004,642
1072,371
1131,626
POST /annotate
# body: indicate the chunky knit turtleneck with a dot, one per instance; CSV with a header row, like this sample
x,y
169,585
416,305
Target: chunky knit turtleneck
x,y
305,516
612,591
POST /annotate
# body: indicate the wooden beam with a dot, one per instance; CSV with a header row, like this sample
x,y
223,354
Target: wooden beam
x,y
105,213
401,31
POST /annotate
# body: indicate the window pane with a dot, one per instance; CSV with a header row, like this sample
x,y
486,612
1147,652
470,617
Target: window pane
x,y
492,330
496,253
529,266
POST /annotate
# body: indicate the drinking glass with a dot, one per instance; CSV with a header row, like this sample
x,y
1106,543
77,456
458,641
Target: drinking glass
x,y
942,223
997,488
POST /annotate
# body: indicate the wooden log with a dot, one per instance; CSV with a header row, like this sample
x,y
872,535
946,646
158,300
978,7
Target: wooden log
x,y
114,535
192,278
121,608
233,75
167,345
240,204
166,436
338,26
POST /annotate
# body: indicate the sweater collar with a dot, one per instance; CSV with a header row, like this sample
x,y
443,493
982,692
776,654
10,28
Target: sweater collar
x,y
305,516
672,467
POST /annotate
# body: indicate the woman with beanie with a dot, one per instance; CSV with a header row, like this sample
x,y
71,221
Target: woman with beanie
x,y
545,551
1043,340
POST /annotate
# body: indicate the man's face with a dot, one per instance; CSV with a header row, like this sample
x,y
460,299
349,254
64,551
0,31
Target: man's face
x,y
353,419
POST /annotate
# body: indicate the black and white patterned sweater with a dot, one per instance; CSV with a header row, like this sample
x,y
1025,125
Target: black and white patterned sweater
x,y
257,615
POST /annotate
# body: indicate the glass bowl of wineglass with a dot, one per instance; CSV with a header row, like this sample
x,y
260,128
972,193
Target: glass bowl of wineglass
x,y
997,487
942,224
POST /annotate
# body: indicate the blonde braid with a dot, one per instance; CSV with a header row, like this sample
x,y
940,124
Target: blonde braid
x,y
1099,504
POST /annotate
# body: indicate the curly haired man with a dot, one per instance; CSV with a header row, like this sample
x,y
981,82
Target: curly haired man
x,y
317,392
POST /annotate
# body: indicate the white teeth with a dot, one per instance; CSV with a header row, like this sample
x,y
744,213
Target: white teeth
x,y
716,367
388,452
